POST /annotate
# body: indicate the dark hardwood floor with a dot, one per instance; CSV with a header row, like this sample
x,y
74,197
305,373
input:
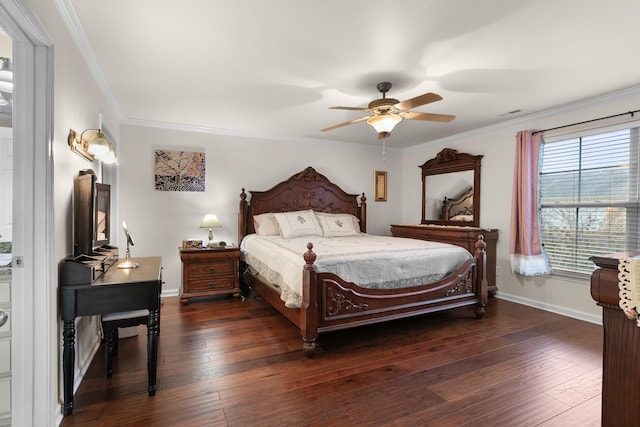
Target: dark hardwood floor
x,y
239,363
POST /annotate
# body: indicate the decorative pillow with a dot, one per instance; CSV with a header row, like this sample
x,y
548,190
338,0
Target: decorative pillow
x,y
467,218
334,225
265,225
298,224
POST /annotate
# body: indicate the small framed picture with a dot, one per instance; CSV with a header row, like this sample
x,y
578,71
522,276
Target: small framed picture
x,y
380,186
191,244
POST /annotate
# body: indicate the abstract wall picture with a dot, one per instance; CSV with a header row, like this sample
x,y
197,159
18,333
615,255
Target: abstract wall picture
x,y
179,170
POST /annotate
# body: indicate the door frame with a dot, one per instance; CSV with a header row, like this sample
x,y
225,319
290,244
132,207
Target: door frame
x,y
34,339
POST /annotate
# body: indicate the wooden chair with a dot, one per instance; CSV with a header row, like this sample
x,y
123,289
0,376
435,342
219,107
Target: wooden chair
x,y
110,324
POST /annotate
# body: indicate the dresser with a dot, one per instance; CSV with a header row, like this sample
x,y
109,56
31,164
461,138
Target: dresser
x,y
209,271
460,236
621,347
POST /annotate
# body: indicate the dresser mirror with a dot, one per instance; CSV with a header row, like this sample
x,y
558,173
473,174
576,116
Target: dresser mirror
x,y
451,189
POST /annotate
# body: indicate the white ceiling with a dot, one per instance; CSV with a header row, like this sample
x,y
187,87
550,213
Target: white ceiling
x,y
272,68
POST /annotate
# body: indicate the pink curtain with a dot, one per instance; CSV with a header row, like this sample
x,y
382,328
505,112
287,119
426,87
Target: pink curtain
x,y
527,254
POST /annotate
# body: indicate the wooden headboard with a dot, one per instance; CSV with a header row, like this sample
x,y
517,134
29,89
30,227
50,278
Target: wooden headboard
x,y
460,205
307,189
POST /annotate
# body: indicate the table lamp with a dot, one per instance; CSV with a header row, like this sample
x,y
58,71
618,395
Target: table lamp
x,y
210,221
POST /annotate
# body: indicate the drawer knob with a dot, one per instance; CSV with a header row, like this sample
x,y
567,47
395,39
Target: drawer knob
x,y
211,269
211,284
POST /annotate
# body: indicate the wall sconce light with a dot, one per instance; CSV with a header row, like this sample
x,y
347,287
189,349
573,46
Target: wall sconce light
x,y
210,221
92,145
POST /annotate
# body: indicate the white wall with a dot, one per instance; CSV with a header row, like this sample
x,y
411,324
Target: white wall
x,y
78,103
160,220
497,144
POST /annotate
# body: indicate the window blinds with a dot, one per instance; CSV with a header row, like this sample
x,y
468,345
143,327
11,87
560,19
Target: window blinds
x,y
589,197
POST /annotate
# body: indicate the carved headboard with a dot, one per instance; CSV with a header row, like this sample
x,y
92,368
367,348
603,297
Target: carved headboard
x,y
307,189
459,208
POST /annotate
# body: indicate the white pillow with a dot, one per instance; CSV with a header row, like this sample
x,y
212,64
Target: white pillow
x,y
334,225
298,224
467,218
265,225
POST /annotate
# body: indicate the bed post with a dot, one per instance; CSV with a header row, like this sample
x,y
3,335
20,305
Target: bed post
x,y
242,217
481,277
309,315
363,213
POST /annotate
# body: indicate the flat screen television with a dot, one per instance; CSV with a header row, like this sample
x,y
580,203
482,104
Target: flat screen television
x,y
91,213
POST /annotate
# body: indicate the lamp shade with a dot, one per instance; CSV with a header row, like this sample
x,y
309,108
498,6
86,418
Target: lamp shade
x,y
384,123
100,147
93,144
210,221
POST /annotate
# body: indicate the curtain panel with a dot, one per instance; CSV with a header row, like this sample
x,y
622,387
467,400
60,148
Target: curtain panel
x,y
527,253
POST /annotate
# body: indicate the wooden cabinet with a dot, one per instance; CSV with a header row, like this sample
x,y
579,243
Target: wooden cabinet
x,y
209,271
621,346
461,236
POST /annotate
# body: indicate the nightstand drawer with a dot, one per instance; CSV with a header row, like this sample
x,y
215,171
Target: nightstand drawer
x,y
211,283
212,255
211,268
209,272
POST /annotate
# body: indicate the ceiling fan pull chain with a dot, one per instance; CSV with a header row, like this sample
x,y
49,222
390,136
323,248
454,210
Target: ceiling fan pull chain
x,y
384,151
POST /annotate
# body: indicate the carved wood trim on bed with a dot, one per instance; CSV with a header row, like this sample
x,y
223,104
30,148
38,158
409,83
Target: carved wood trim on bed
x,y
307,189
459,205
331,303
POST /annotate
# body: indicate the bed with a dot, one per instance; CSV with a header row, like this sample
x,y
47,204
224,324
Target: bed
x,y
328,302
458,208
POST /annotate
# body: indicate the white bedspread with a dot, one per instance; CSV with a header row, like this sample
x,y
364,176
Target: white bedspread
x,y
369,261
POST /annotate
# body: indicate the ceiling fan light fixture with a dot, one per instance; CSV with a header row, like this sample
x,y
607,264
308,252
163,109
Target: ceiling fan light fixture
x,y
384,123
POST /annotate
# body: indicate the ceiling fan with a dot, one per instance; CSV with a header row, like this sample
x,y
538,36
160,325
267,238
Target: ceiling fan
x,y
385,113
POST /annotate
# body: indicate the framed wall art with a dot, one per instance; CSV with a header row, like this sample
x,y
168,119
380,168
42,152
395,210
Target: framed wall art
x,y
179,170
380,186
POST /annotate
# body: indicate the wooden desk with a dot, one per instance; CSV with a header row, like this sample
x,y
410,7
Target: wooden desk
x,y
116,290
621,347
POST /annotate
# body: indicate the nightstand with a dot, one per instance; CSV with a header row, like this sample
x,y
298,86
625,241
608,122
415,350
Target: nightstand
x,y
209,271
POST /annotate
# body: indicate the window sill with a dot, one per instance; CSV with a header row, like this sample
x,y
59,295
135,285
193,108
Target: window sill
x,y
572,276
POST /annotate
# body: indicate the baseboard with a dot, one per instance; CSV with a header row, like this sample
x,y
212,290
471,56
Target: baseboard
x,y
172,293
84,364
552,308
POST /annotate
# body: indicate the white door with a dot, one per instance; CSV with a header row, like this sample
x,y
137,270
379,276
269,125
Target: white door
x,y
6,237
5,350
33,321
6,184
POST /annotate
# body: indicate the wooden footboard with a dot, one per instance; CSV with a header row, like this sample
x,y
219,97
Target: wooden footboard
x,y
330,303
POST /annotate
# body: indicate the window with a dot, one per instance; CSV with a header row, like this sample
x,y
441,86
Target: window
x,y
589,197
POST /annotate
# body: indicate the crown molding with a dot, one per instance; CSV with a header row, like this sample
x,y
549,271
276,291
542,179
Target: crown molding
x,y
70,18
560,109
242,134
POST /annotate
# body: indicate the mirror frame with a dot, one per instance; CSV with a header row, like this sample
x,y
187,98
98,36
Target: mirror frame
x,y
449,160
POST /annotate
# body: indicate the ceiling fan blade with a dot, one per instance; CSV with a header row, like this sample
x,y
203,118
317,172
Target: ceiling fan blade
x,y
425,98
349,108
361,119
428,116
